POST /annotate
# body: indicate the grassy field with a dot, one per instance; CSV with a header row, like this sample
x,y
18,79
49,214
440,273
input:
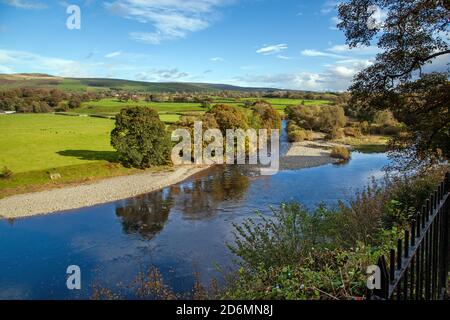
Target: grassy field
x,y
367,144
170,111
34,146
41,141
33,142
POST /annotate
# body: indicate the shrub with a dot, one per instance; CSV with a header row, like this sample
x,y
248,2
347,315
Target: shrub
x,y
140,138
323,253
317,118
352,132
335,134
392,130
385,118
300,135
340,152
297,255
6,173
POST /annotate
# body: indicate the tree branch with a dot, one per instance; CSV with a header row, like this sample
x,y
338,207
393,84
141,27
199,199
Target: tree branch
x,y
417,63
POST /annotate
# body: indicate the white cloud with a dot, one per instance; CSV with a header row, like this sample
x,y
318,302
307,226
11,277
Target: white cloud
x,y
316,53
329,6
24,4
5,69
334,22
217,59
171,19
21,61
335,77
162,75
113,54
272,49
362,50
282,57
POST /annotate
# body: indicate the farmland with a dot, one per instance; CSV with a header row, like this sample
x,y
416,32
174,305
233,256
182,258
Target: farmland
x,y
78,147
170,110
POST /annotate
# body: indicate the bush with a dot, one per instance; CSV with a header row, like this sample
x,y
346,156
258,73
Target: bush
x,y
140,138
317,118
340,152
352,132
335,134
391,130
300,135
297,255
323,254
6,173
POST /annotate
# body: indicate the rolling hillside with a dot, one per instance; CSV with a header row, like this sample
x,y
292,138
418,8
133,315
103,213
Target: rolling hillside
x,y
78,84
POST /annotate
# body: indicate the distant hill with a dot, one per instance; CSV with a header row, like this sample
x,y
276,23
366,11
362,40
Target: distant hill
x,y
37,80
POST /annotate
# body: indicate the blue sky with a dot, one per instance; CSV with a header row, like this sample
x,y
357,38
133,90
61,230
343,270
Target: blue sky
x,y
271,43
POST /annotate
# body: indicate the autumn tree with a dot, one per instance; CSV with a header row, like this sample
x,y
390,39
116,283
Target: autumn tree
x,y
140,138
410,74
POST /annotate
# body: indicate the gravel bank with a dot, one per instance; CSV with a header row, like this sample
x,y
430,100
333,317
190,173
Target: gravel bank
x,y
85,195
307,154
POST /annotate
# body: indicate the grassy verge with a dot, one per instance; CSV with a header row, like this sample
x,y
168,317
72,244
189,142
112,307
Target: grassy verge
x,y
39,180
367,144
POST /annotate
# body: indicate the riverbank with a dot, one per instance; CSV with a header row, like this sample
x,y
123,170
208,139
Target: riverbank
x,y
293,156
84,195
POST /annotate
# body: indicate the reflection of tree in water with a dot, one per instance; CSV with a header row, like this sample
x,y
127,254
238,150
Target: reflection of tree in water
x,y
200,198
196,199
145,215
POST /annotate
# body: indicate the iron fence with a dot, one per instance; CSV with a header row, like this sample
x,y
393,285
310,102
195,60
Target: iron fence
x,y
418,267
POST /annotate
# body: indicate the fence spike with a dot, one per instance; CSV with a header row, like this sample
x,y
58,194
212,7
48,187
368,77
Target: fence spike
x,y
406,243
447,182
399,254
392,265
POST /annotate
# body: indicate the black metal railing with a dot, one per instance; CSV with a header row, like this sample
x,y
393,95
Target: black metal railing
x,y
418,267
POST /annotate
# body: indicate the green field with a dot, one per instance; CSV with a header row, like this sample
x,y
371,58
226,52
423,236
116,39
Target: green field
x,y
32,142
42,141
78,147
113,106
170,111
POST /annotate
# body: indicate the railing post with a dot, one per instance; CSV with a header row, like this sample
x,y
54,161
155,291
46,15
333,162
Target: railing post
x,y
418,268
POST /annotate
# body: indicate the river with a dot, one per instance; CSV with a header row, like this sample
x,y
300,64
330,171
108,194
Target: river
x,y
181,230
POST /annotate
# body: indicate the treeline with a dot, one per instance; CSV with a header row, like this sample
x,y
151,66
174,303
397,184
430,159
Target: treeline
x,y
142,141
338,121
33,100
39,100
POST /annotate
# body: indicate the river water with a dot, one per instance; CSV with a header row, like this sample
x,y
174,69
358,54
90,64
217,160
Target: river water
x,y
181,230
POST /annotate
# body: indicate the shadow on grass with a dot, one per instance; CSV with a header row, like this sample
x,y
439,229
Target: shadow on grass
x,y
110,156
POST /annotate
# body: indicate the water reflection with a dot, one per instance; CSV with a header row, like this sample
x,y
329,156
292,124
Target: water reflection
x,y
201,198
145,215
198,199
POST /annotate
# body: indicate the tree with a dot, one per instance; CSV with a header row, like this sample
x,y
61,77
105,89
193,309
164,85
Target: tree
x,y
228,117
74,103
317,118
140,138
414,34
269,118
